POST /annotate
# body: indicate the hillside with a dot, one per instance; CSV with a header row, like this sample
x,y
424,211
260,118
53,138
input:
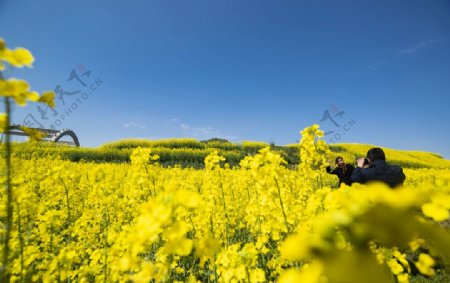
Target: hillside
x,y
191,152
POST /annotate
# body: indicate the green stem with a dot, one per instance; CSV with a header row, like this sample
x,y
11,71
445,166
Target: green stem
x,y
21,241
225,211
248,274
106,224
282,206
66,192
148,178
9,209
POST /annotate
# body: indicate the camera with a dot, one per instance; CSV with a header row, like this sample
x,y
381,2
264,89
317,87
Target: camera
x,y
366,161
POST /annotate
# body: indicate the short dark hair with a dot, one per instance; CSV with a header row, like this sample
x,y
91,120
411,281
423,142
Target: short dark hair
x,y
337,159
376,153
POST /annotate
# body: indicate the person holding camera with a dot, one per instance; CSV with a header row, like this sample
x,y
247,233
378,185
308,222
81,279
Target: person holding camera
x,y
378,170
342,170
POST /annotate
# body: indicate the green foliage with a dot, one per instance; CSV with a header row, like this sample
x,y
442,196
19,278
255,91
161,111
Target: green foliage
x,y
167,143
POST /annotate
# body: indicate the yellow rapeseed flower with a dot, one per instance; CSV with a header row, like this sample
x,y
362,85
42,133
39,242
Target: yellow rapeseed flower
x,y
3,123
425,264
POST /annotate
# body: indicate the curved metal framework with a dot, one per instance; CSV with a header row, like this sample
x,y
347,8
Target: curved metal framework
x,y
50,134
58,136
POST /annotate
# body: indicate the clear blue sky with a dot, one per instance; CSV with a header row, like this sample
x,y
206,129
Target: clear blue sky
x,y
241,70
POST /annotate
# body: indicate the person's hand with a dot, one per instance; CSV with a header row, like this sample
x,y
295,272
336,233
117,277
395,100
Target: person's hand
x,y
360,162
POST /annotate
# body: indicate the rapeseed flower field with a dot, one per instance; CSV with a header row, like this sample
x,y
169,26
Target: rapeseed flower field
x,y
261,221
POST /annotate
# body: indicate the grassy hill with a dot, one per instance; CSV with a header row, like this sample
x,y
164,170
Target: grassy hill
x,y
191,152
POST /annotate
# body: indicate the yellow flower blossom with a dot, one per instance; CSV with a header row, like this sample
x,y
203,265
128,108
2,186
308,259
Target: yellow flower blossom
x,y
3,123
425,265
48,98
435,211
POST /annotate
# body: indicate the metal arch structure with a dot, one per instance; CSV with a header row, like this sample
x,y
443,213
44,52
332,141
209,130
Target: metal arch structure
x,y
50,135
66,132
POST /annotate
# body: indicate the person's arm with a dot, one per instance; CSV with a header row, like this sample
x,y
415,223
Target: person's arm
x,y
350,168
329,171
358,176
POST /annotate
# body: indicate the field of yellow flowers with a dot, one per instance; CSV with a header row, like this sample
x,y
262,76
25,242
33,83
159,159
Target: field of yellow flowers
x,y
261,221
258,222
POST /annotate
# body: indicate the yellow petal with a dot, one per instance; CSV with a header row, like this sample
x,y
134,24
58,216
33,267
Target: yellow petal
x,y
13,87
33,96
425,264
20,99
3,122
34,134
48,98
21,57
434,211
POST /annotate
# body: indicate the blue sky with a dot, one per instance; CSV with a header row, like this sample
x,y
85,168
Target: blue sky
x,y
238,69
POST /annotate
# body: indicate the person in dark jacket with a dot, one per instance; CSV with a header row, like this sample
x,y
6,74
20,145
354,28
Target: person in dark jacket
x,y
343,171
378,170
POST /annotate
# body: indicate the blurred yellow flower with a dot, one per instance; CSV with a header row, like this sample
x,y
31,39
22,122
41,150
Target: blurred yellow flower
x,y
435,211
48,98
19,57
425,264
